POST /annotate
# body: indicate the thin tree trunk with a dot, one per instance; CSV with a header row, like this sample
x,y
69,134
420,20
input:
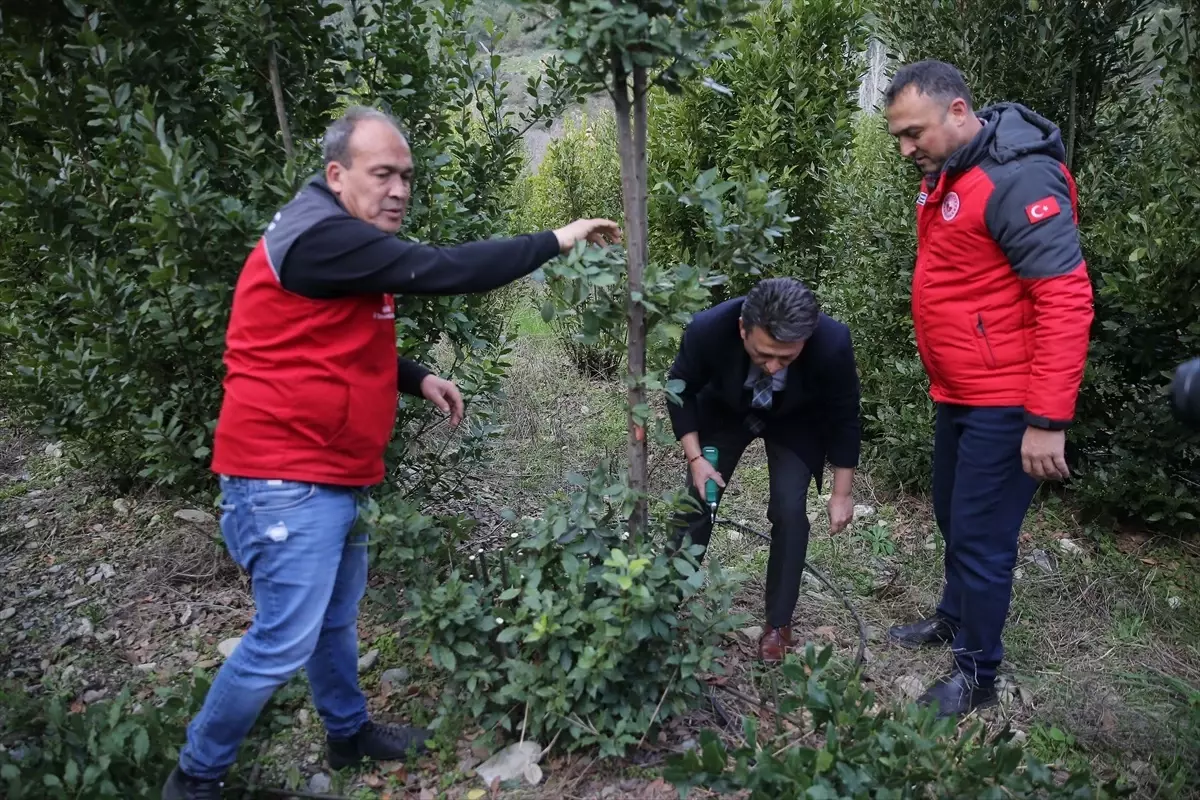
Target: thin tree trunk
x,y
632,144
277,92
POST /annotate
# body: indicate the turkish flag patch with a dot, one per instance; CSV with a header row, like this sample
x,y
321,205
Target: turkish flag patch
x,y
1043,209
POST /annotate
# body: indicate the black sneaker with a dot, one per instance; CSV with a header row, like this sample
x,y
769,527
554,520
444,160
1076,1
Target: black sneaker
x,y
936,630
957,695
376,742
181,786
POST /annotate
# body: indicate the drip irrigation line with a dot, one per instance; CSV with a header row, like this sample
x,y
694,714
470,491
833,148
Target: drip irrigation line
x,y
859,658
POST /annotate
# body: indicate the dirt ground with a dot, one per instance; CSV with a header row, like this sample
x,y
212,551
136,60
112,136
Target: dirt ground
x,y
100,592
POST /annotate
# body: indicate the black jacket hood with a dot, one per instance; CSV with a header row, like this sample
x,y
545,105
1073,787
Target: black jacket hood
x,y
1010,131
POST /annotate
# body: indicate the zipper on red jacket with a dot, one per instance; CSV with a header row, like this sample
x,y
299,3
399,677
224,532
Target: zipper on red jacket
x,y
986,342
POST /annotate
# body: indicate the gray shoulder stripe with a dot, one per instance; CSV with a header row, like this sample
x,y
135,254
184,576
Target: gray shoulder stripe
x,y
305,210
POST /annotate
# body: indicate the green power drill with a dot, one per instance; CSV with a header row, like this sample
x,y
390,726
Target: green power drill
x,y
710,487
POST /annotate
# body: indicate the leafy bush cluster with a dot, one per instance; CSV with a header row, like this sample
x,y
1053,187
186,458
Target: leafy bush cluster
x,y
781,103
579,176
569,629
113,748
839,743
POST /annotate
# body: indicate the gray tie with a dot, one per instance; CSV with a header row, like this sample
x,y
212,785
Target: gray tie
x,y
762,392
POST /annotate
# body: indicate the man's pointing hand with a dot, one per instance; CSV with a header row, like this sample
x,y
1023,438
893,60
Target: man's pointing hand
x,y
596,231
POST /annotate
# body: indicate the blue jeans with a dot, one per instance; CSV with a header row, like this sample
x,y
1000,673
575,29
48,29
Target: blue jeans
x,y
981,494
308,573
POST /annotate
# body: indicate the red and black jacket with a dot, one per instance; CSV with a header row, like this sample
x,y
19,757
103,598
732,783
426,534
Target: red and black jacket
x,y
1001,301
312,372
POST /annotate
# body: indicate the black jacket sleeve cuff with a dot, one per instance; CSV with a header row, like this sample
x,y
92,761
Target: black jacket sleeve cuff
x,y
409,375
1034,421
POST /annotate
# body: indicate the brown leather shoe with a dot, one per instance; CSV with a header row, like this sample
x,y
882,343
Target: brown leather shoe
x,y
774,643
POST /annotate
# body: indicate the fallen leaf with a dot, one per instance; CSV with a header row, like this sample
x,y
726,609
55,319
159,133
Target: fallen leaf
x,y
826,632
476,794
373,780
1151,561
78,707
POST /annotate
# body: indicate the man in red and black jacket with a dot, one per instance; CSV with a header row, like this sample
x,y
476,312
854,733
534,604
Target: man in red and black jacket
x,y
310,394
1002,308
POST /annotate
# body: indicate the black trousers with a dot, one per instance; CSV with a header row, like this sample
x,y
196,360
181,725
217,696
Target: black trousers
x,y
787,512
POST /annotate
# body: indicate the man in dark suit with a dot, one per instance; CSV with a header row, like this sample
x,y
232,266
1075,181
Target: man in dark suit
x,y
770,364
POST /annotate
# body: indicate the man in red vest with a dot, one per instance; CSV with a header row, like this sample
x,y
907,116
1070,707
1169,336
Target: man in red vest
x,y
1002,309
309,407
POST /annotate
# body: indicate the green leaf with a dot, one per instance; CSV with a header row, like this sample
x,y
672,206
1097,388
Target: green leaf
x,y
509,594
141,745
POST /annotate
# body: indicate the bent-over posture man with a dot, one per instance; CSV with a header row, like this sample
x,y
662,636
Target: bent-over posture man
x,y
309,406
1002,306
770,365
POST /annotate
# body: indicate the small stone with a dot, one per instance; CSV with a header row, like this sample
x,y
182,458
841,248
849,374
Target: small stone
x,y
910,686
753,633
150,667
1174,602
227,647
689,744
608,793
392,679
94,695
54,450
85,628
874,634
121,506
33,523
57,568
7,613
864,512
368,660
303,716
207,663
102,572
1019,736
195,515
320,783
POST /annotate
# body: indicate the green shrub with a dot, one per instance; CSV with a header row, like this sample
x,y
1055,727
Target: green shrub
x,y
113,748
781,103
572,629
579,176
863,750
867,283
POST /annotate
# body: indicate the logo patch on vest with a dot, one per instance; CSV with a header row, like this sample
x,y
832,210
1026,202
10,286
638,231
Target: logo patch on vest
x,y
922,197
1043,209
950,206
387,310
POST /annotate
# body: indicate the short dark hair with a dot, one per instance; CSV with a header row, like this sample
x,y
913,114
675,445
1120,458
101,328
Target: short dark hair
x,y
784,307
937,79
335,145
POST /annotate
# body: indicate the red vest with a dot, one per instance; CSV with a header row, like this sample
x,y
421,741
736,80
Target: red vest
x,y
310,388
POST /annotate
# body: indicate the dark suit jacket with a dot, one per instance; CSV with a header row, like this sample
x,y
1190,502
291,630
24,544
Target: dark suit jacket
x,y
816,413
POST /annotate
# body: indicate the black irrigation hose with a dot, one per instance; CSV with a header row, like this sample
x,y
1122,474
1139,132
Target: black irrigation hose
x,y
860,656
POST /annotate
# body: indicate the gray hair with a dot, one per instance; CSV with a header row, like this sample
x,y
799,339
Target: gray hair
x,y
784,307
335,145
937,79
